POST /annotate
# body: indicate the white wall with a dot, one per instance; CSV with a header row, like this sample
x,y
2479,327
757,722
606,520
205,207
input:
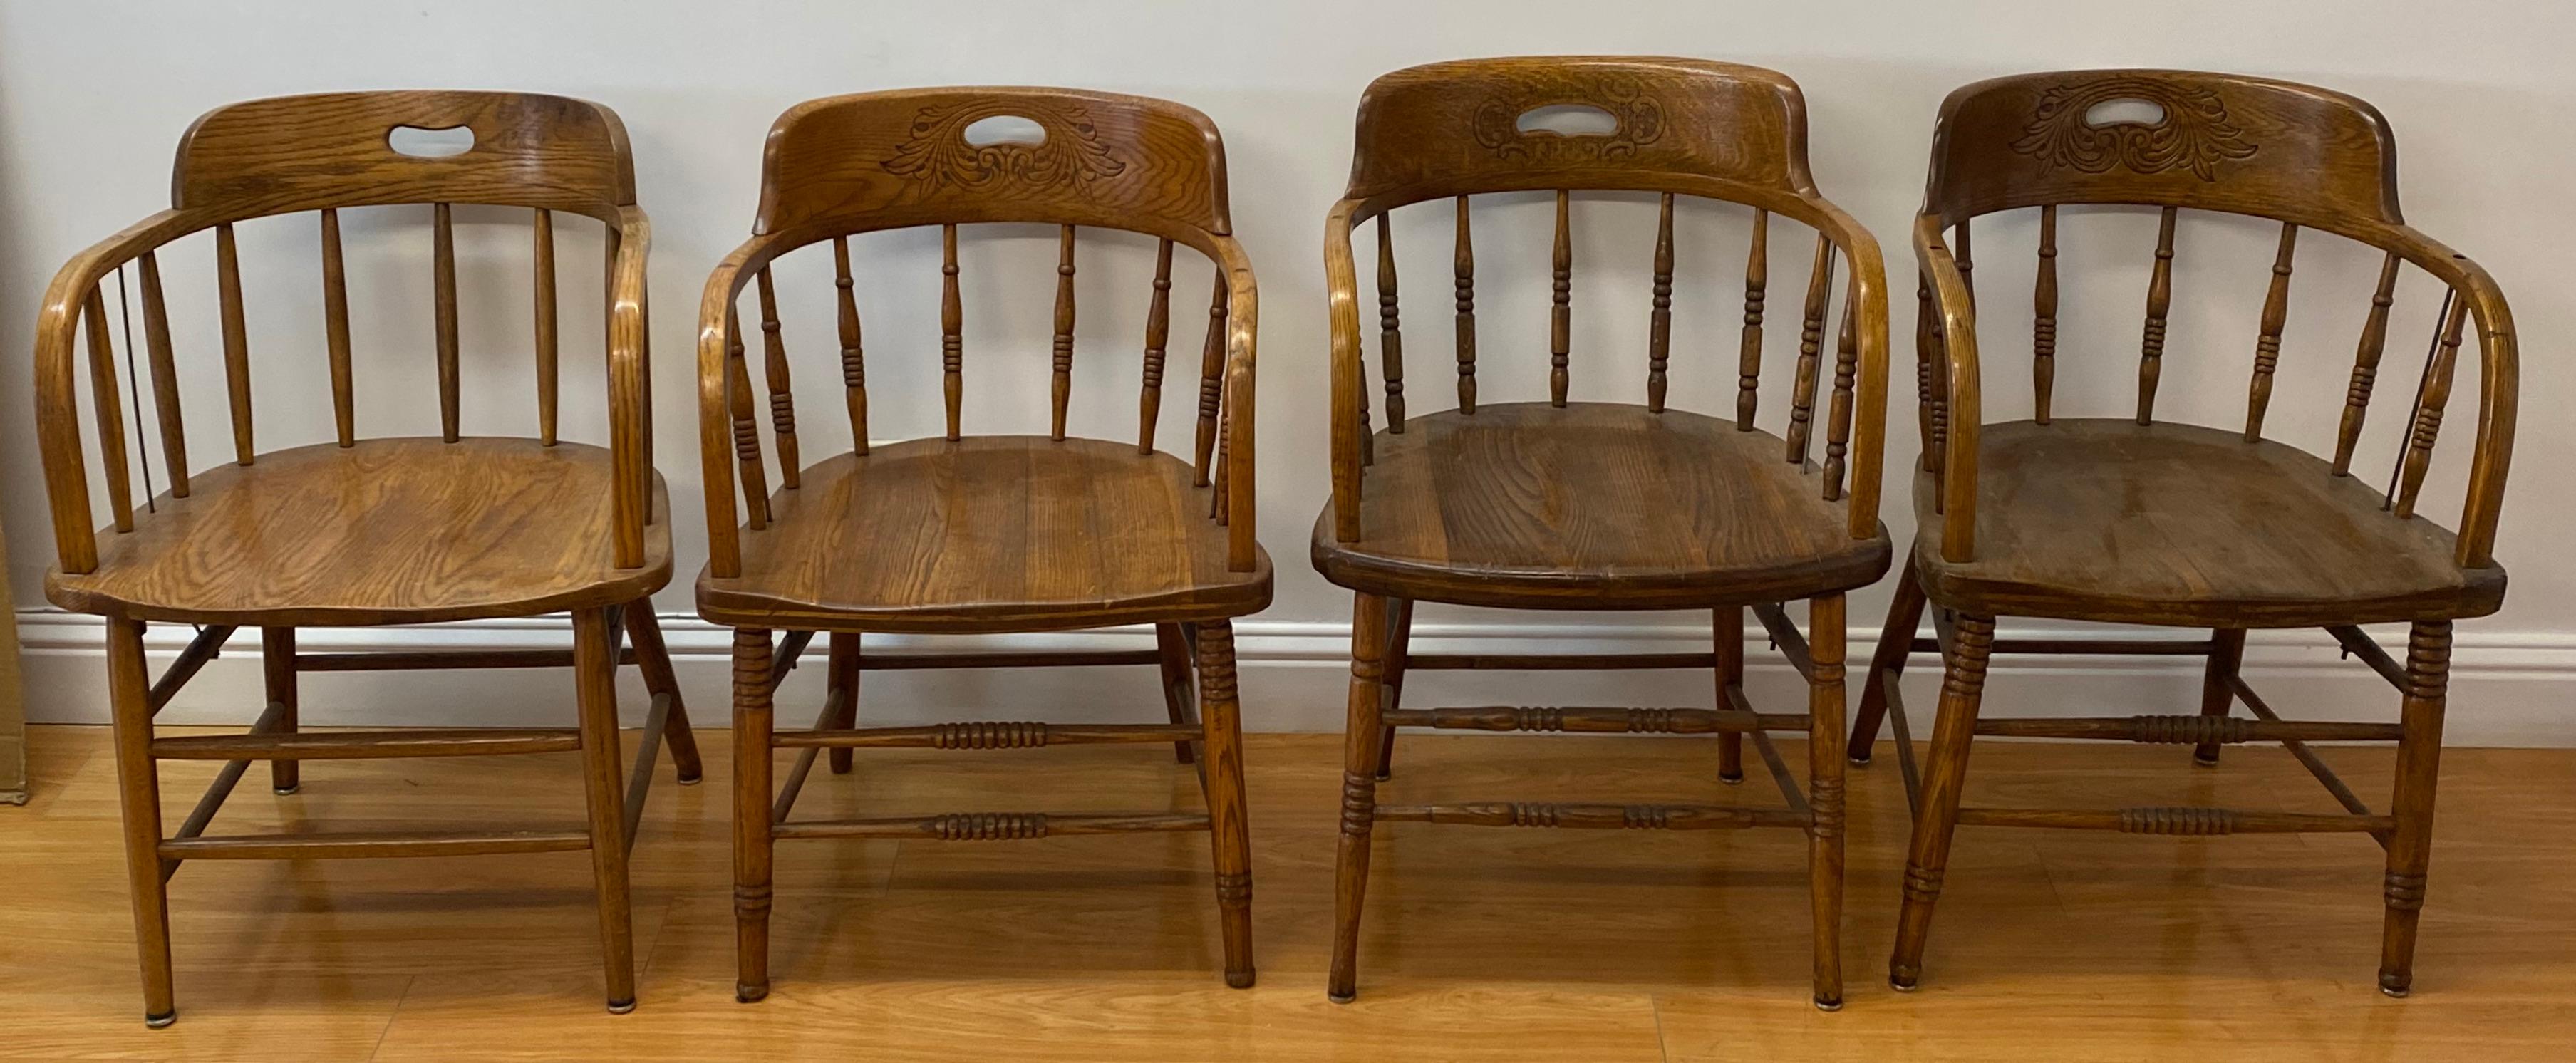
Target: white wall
x,y
93,96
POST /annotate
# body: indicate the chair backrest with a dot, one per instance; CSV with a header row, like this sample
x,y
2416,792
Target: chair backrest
x,y
1692,127
323,153
2302,156
850,165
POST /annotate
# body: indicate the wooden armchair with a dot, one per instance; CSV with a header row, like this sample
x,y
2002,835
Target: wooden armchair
x,y
366,531
964,533
1575,505
2183,525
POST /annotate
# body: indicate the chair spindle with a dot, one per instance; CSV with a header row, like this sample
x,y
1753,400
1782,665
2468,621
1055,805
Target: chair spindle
x,y
1158,334
2365,365
450,389
1465,268
952,324
1838,421
1390,330
1560,318
1060,390
2151,349
1659,340
854,366
746,429
782,399
2267,347
1811,349
111,412
1757,275
236,339
335,322
1212,382
547,354
1967,266
1924,367
165,375
2436,393
2043,327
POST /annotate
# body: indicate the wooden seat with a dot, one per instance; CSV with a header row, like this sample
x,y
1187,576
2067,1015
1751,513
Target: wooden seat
x,y
1593,505
2146,521
960,534
2190,525
999,533
1567,505
382,531
357,531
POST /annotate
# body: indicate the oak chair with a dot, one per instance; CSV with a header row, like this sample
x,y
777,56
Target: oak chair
x,y
1576,505
981,533
2183,525
359,531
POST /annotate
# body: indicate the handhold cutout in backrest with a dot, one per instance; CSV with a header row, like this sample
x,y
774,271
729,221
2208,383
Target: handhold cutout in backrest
x,y
949,156
1005,129
1492,125
421,142
1567,120
2125,110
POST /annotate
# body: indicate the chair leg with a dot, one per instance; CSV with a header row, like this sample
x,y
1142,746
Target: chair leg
x,y
653,658
1825,793
1178,684
2419,761
595,679
751,823
1361,736
277,666
139,788
1726,627
1962,685
2217,698
1399,642
1895,644
1230,839
842,676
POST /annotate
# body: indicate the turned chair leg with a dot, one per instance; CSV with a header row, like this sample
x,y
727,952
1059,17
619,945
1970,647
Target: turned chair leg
x,y
752,726
1727,632
595,680
841,676
1229,830
1895,645
2217,696
2419,761
277,666
1361,738
139,788
1399,642
1963,684
1825,793
1179,685
653,658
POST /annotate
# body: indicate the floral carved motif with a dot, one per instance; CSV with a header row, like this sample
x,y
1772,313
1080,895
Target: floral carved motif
x,y
938,153
2195,133
1641,121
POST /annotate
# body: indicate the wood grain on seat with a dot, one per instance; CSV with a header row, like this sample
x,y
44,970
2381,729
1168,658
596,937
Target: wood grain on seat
x,y
405,530
2189,525
1593,506
997,533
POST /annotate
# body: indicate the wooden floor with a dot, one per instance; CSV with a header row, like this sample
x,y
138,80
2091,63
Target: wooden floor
x,y
1479,944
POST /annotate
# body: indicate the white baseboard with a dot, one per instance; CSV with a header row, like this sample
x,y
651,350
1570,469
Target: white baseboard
x,y
2507,688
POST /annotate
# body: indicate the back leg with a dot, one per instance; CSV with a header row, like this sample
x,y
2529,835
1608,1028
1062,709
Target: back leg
x,y
653,658
1895,644
2217,696
1727,632
1399,641
1180,685
277,666
842,673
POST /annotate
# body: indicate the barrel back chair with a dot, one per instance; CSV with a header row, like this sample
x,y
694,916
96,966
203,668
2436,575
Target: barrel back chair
x,y
363,531
957,533
2184,525
1575,505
